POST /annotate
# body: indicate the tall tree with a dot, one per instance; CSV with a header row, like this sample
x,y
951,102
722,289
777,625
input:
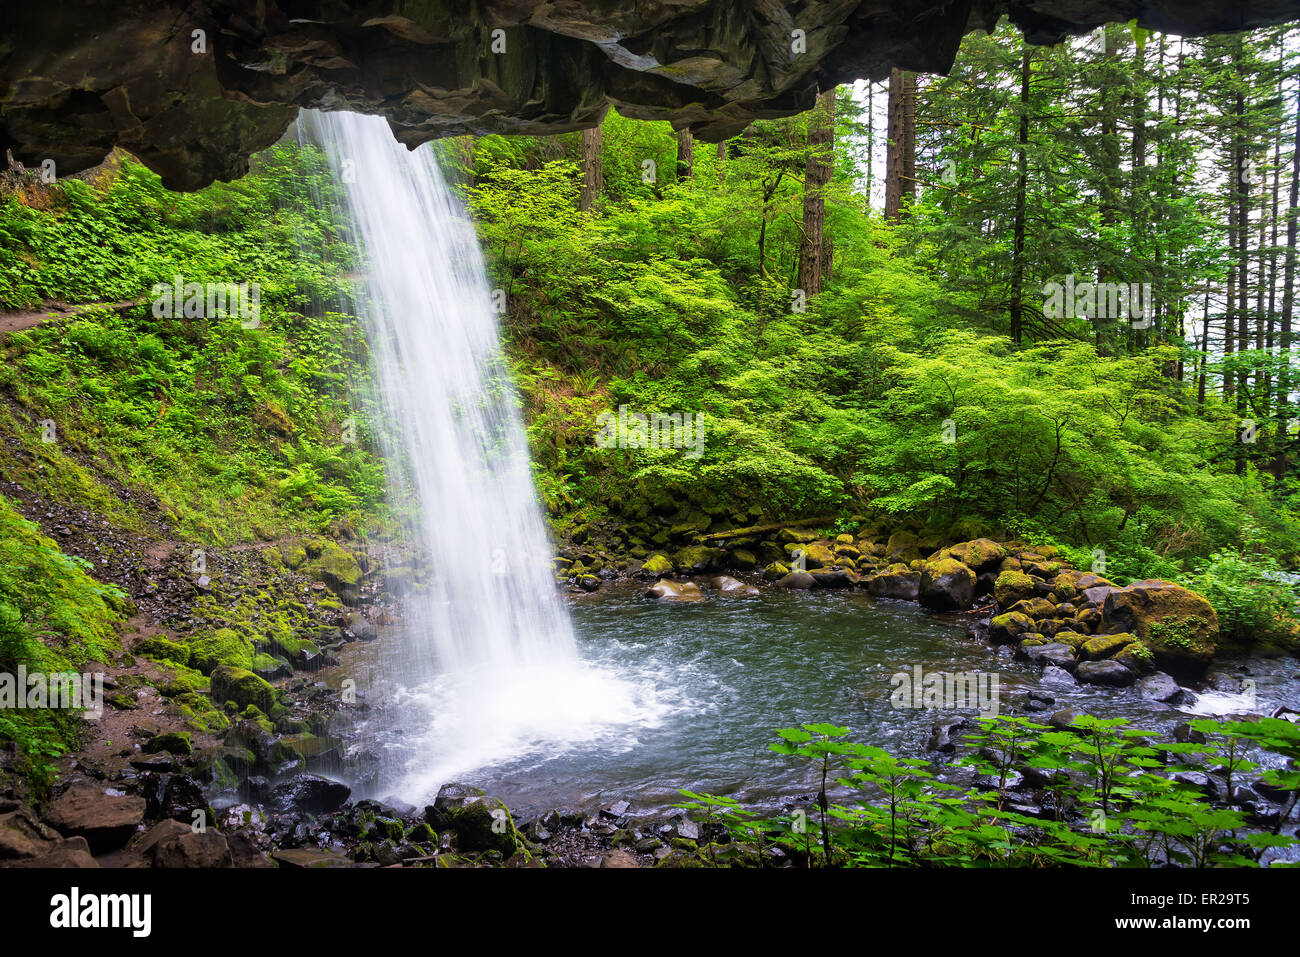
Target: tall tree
x,y
815,245
593,169
685,154
1022,184
900,163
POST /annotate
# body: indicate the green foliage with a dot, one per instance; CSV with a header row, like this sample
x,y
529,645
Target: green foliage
x,y
1111,803
1255,599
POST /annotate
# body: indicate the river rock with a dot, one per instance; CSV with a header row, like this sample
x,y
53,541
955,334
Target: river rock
x,y
1110,673
1060,655
947,585
668,590
979,555
1179,626
834,577
731,586
1057,677
311,794
105,820
799,581
897,582
1104,646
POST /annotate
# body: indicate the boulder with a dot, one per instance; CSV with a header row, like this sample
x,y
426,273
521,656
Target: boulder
x,y
1011,587
897,581
106,821
980,555
656,566
1104,646
697,558
668,590
1054,653
1178,626
1004,629
947,585
1111,673
311,794
242,687
1160,687
799,581
834,577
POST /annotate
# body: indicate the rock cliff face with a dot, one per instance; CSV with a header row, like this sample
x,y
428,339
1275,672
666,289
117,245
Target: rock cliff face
x,y
193,87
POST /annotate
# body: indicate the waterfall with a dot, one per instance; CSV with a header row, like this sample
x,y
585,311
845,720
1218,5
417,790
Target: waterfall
x,y
488,667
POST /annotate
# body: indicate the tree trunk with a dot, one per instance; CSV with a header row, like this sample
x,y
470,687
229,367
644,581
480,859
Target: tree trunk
x,y
685,154
900,162
593,170
1280,465
814,249
1022,182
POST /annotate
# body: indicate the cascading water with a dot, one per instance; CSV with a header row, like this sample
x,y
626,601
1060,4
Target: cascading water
x,y
489,667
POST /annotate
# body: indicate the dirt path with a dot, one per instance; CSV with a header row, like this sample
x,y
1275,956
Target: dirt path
x,y
54,310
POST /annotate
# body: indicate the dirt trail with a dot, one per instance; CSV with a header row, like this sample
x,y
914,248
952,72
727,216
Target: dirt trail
x,y
24,319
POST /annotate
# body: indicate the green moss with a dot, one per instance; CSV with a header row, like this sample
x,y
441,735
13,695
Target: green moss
x,y
161,649
224,646
242,687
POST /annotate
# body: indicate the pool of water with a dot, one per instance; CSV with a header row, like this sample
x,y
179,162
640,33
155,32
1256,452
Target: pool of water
x,y
690,696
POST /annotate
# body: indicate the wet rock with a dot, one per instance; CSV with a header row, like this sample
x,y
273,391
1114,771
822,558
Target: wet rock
x,y
360,628
1109,673
1179,626
310,858
1063,719
897,582
946,585
206,849
311,794
618,858
22,835
834,577
798,581
105,820
1057,677
668,590
942,737
229,683
1160,687
1053,653
173,742
1105,646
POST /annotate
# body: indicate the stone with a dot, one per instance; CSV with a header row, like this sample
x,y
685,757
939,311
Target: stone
x,y
1110,673
1056,654
242,687
834,577
618,858
1104,646
1011,587
798,581
311,794
947,585
668,590
1178,626
897,581
205,849
1160,687
106,821
656,566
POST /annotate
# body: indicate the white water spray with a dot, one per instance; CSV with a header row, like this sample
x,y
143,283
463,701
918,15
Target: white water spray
x,y
490,668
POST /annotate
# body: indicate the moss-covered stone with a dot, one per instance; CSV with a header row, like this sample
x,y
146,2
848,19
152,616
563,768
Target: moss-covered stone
x,y
223,646
1011,587
162,649
242,687
485,824
172,742
1178,626
1105,646
657,565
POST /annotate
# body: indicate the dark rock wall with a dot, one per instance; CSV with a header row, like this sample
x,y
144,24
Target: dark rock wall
x,y
78,77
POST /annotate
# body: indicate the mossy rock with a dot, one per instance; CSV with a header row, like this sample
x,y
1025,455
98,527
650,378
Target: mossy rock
x,y
657,565
697,558
1008,627
339,570
947,585
242,687
172,742
485,824
980,555
1178,626
161,649
798,536
1011,587
1105,646
224,646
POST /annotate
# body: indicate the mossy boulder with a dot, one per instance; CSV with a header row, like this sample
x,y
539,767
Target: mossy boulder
x,y
1105,646
172,742
947,585
657,565
1011,587
902,547
897,581
485,824
1007,628
1178,626
697,558
161,649
223,646
980,555
242,687
339,570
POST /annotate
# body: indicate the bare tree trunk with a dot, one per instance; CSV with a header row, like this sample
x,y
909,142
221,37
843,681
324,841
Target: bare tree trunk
x,y
685,154
1022,183
900,162
1281,464
722,161
814,250
593,170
